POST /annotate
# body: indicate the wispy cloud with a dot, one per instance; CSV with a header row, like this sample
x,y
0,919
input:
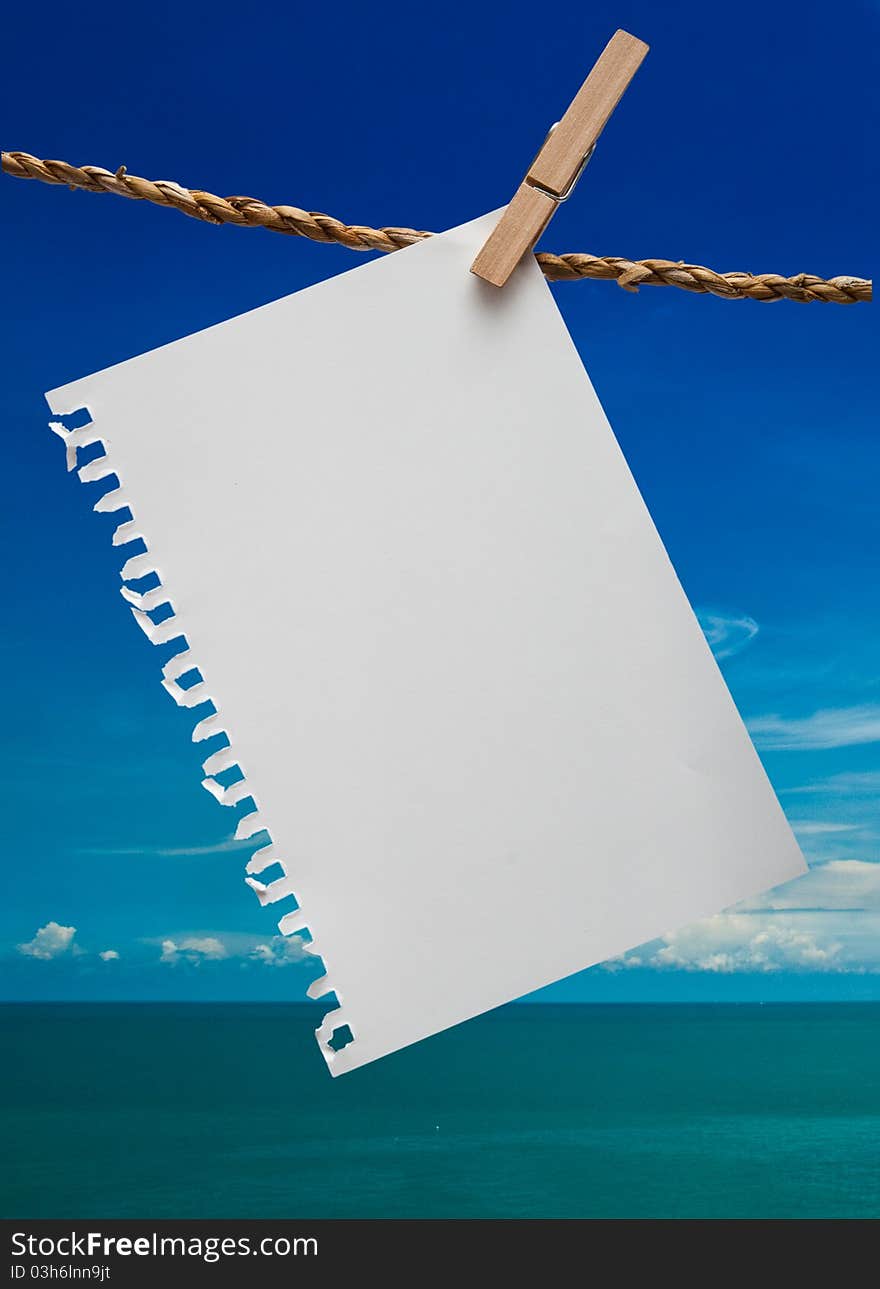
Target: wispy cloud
x,y
819,828
215,848
856,783
51,941
830,728
108,955
727,634
822,840
851,885
220,847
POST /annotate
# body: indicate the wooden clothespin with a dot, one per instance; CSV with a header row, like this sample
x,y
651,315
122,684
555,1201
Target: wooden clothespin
x,y
558,166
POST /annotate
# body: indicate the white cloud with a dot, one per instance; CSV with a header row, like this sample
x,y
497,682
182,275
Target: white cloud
x,y
193,949
832,727
231,946
732,942
726,634
826,921
108,955
51,941
280,951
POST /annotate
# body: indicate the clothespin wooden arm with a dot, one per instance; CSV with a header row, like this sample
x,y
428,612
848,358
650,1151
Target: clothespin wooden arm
x,y
556,168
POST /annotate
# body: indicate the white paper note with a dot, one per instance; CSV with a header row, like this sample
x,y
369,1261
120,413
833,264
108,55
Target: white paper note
x,y
472,704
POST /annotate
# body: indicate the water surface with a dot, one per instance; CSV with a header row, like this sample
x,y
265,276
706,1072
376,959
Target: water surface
x,y
226,1110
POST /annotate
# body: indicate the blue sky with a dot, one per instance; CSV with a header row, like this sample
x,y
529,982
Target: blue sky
x,y
749,428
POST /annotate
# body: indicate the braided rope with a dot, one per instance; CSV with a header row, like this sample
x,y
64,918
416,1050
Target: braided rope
x,y
250,212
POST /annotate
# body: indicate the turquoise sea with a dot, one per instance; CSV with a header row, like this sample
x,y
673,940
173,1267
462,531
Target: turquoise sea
x,y
176,1110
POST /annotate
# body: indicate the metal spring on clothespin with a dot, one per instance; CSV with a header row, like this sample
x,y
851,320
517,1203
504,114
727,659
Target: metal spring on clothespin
x,y
561,160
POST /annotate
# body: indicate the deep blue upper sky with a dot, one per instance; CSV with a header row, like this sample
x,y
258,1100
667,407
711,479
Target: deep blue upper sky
x,y
742,143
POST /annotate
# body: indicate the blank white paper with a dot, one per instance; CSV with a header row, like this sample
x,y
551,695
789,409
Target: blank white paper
x,y
468,695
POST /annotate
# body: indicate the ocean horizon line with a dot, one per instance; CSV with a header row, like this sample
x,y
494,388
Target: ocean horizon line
x,y
557,1004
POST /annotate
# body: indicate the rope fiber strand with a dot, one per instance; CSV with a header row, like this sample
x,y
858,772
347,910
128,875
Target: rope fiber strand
x,y
250,212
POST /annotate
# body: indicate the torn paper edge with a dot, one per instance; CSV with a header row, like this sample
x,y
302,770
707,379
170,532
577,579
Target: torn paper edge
x,y
171,629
